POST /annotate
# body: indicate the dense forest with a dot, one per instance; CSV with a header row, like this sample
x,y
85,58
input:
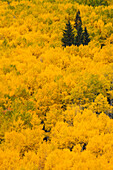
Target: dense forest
x,y
56,85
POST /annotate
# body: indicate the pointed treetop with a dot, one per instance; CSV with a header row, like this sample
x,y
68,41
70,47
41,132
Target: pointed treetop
x,y
68,35
78,12
86,38
78,21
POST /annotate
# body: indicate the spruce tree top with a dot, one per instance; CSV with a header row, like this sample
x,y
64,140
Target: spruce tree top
x,y
68,35
78,21
86,38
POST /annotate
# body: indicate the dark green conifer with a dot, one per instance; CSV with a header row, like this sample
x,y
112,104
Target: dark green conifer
x,y
82,37
79,37
86,38
68,35
78,25
78,21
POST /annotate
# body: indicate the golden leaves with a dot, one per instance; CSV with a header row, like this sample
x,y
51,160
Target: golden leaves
x,y
49,96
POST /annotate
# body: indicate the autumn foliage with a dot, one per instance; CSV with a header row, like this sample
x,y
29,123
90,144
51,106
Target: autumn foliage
x,y
56,103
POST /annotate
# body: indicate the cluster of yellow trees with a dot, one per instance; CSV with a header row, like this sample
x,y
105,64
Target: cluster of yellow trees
x,y
55,103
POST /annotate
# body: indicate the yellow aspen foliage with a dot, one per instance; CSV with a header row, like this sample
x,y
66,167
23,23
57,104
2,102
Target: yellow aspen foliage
x,y
43,152
60,159
105,55
99,25
9,159
69,114
56,103
24,141
62,136
52,117
14,140
77,148
30,161
100,105
100,146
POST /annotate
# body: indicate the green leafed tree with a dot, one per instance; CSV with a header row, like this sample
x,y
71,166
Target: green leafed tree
x,y
68,35
78,25
78,21
86,38
79,37
82,37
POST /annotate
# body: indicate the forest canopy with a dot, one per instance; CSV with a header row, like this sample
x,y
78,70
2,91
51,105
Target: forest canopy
x,y
93,3
56,97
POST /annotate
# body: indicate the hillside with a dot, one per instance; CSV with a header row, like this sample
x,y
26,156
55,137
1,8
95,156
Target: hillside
x,y
56,102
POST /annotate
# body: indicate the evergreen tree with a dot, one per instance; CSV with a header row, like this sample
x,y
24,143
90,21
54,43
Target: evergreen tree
x,y
68,35
86,38
78,25
78,21
79,37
